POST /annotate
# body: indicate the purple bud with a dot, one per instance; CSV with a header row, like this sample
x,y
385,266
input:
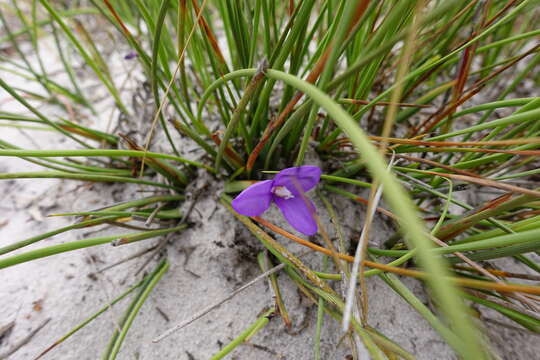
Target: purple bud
x,y
131,55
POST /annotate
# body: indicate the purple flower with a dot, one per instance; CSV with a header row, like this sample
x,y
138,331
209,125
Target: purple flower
x,y
287,191
131,55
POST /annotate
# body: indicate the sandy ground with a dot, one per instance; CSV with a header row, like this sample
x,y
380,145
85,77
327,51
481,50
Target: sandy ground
x,y
208,261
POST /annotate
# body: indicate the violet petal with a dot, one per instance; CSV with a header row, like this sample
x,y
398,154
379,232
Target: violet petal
x,y
299,212
131,55
300,178
254,200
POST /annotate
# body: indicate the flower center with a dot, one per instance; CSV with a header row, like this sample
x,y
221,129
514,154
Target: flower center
x,y
282,192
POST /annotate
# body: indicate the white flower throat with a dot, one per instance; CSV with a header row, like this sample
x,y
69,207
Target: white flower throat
x,y
282,192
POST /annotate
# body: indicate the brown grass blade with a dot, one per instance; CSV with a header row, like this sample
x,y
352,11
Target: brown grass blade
x,y
487,182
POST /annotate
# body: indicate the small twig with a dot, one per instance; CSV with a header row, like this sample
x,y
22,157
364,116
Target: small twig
x,y
156,250
24,341
215,305
129,226
266,349
163,314
131,257
153,215
163,242
4,329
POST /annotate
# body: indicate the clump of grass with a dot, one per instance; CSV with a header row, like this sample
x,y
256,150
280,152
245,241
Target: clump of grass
x,y
401,97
